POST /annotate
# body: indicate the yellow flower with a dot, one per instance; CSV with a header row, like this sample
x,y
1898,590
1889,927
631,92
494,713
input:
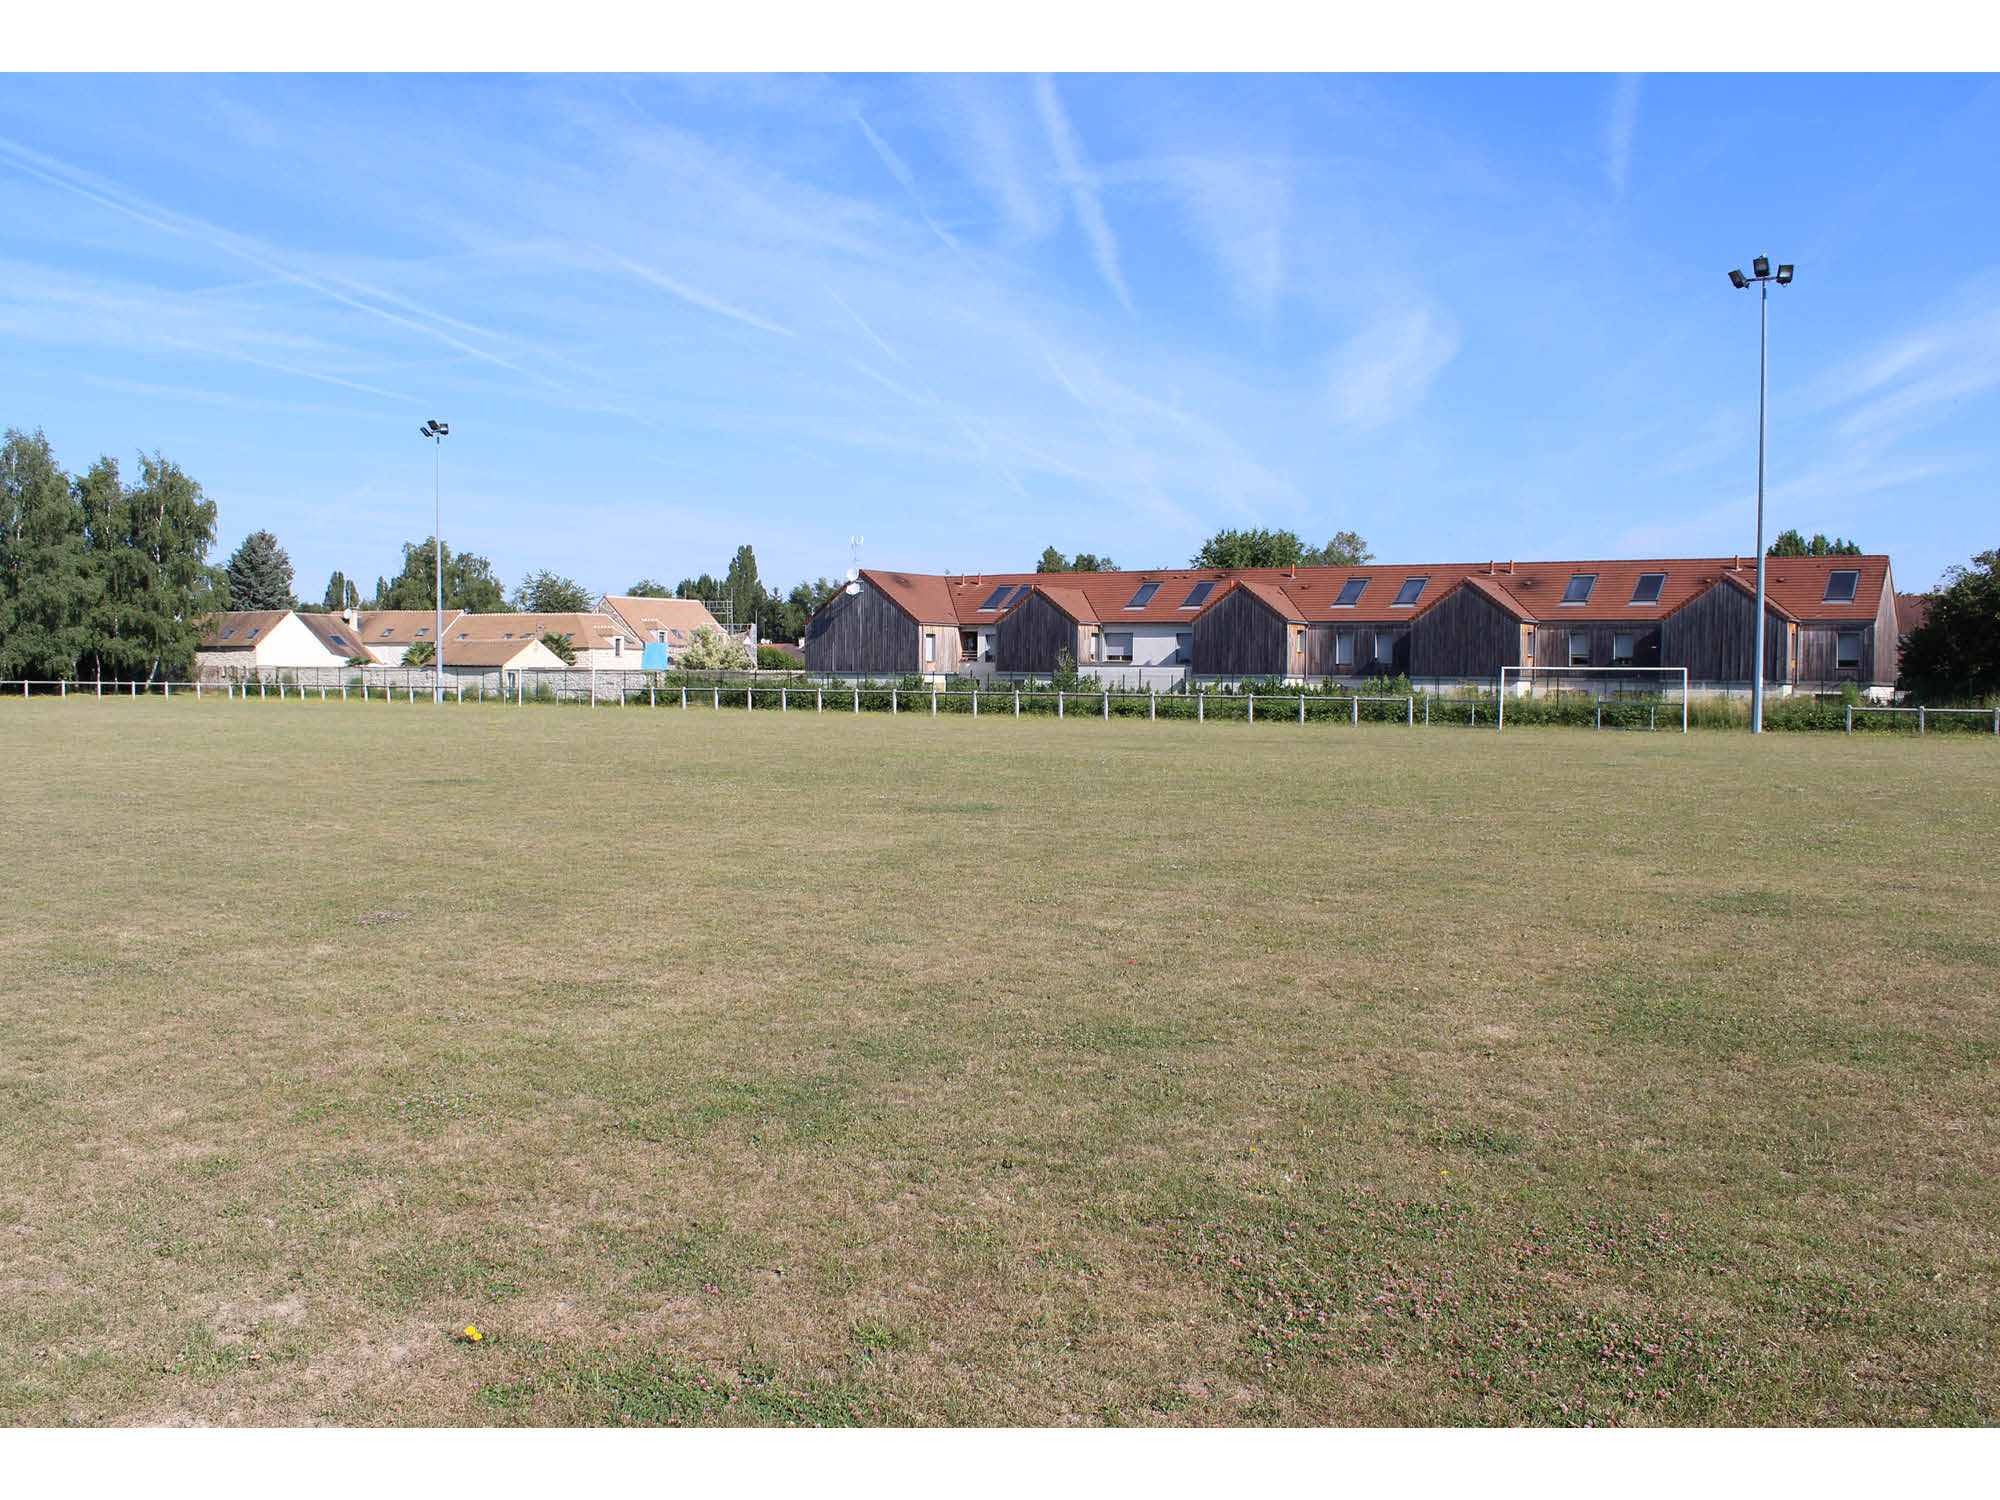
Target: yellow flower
x,y
473,1335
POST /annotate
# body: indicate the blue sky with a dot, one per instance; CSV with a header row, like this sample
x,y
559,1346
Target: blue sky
x,y
966,317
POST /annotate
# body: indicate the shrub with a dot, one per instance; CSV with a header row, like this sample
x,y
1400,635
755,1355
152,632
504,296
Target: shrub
x,y
712,651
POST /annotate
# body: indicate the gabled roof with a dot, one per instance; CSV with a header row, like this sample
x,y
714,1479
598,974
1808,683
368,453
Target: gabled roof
x,y
586,632
334,633
1072,602
241,629
922,596
1266,592
678,618
499,653
399,627
1749,586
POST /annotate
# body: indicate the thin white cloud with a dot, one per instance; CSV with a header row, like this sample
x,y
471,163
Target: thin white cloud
x,y
1237,207
694,295
1082,184
988,144
900,170
1619,130
1386,370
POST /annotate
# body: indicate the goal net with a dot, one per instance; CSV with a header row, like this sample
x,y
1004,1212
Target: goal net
x,y
1660,692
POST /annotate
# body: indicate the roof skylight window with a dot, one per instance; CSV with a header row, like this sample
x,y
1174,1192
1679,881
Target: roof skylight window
x,y
1412,587
1647,589
1580,585
998,597
1840,585
1144,597
1350,591
1198,595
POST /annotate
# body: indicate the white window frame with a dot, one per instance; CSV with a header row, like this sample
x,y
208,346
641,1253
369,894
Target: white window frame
x,y
1110,650
1343,648
930,648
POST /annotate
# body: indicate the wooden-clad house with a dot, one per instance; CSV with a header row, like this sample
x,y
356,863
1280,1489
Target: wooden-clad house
x,y
1827,620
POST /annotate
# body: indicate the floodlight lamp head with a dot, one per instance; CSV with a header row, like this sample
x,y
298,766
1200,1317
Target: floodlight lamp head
x,y
1737,280
1784,276
1761,266
443,428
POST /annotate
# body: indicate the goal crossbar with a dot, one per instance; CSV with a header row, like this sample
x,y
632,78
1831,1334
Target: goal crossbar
x,y
1527,675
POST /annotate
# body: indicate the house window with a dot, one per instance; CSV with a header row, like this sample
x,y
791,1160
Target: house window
x,y
1847,649
1144,597
1579,648
1385,646
1350,591
1198,595
423,630
1118,645
1409,592
930,647
1621,650
228,633
968,644
618,645
1343,649
1184,646
998,597
1647,589
389,632
1580,585
335,638
1840,585
253,632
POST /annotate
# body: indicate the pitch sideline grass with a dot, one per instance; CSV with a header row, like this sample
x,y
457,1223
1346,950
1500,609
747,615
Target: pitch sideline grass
x,y
789,1070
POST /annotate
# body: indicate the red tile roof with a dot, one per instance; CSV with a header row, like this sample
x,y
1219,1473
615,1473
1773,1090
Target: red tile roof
x,y
1912,610
1532,591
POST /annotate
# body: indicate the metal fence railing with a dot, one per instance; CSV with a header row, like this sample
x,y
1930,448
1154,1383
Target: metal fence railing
x,y
1924,714
797,693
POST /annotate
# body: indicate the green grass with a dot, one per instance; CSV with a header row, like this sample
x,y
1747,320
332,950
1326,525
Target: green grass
x,y
729,1069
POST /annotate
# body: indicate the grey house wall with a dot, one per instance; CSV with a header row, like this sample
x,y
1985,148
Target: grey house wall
x,y
1710,636
1240,636
1465,635
862,632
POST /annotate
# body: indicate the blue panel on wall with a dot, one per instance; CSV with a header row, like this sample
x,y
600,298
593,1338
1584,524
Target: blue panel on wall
x,y
654,658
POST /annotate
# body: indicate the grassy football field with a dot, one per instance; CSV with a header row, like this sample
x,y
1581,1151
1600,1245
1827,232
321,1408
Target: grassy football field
x,y
723,1068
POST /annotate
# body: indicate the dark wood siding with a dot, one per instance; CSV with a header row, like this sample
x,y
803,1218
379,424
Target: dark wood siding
x,y
1464,635
862,632
1030,635
1710,636
1552,642
1240,636
1320,648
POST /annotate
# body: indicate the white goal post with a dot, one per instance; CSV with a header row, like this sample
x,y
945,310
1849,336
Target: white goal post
x,y
1524,678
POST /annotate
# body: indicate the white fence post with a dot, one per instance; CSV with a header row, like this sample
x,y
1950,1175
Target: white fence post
x,y
819,700
1251,716
1017,711
975,703
1059,703
1107,705
1200,707
892,701
857,699
1302,708
933,703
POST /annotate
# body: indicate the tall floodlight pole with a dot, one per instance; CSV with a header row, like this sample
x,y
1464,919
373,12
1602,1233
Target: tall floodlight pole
x,y
1762,276
437,432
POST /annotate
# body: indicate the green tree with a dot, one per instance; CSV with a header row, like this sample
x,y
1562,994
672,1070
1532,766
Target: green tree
x,y
147,549
1958,645
1250,549
1053,561
340,594
555,641
798,607
707,588
44,581
548,593
469,582
741,587
1791,544
649,588
712,651
260,574
1344,550
419,654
